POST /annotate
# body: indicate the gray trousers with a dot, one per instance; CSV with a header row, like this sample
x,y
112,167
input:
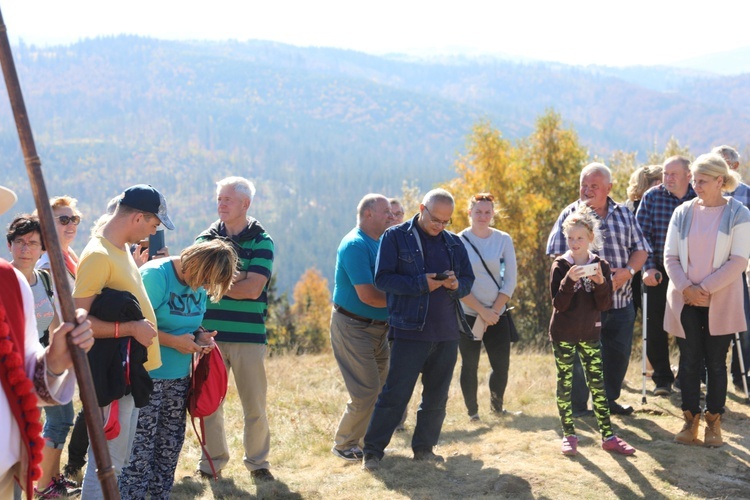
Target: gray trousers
x,y
362,353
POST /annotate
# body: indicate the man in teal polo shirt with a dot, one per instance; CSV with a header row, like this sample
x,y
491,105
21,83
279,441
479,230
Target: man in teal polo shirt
x,y
359,332
239,317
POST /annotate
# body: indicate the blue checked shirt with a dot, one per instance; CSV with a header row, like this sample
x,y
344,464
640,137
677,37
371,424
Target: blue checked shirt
x,y
653,215
622,236
742,194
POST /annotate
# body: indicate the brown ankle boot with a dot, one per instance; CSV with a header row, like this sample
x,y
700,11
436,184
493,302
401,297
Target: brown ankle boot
x,y
689,432
713,430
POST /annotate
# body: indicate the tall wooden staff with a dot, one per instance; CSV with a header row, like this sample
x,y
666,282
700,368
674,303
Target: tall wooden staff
x,y
105,470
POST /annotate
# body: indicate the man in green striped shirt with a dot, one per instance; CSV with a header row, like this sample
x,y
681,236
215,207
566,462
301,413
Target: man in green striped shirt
x,y
239,319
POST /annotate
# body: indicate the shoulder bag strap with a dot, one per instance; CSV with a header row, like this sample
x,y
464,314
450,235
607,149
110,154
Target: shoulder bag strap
x,y
483,262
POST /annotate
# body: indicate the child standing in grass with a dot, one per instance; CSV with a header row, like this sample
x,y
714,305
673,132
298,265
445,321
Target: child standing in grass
x,y
578,299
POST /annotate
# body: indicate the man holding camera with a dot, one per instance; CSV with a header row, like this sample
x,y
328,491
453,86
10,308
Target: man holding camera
x,y
424,271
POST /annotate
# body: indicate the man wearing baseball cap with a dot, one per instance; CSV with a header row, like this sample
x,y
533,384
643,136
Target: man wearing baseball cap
x,y
47,370
106,262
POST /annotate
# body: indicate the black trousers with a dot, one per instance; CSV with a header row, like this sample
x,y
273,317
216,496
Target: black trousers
x,y
496,342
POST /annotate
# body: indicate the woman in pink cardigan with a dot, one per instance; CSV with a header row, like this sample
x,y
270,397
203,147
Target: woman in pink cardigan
x,y
706,250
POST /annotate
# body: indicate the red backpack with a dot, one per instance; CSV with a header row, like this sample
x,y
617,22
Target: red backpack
x,y
208,388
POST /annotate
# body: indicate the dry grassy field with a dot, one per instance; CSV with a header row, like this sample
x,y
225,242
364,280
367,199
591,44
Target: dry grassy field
x,y
500,457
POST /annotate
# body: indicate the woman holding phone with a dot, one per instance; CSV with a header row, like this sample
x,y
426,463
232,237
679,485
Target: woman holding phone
x,y
178,288
493,261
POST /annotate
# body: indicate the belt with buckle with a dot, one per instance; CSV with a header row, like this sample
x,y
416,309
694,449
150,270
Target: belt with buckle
x,y
350,314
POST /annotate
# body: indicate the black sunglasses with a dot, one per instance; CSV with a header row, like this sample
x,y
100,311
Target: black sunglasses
x,y
67,219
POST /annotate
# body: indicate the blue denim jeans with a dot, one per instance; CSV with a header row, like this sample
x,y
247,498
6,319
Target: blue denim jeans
x,y
617,344
58,419
435,360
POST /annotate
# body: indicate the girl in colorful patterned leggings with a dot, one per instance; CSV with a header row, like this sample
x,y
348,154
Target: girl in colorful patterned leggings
x,y
581,288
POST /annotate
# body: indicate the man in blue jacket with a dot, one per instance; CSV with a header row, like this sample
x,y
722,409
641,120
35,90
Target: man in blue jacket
x,y
424,271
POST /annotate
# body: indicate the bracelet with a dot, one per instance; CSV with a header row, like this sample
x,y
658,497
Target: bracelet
x,y
117,329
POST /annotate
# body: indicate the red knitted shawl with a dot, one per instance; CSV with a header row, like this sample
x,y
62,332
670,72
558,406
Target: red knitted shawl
x,y
19,390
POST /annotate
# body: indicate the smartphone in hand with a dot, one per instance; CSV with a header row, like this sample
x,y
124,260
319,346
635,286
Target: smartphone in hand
x,y
590,269
440,277
155,243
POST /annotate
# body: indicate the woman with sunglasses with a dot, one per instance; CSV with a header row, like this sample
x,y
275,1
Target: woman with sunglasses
x,y
59,419
493,261
67,217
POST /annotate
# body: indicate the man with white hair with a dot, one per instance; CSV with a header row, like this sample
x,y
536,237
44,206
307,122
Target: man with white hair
x,y
359,330
741,194
424,271
239,317
626,250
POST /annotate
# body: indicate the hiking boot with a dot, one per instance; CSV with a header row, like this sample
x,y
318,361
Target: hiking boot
x,y
689,432
353,454
617,445
428,456
712,437
261,476
370,462
570,445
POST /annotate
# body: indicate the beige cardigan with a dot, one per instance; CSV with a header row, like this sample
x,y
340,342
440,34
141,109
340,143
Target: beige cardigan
x,y
726,312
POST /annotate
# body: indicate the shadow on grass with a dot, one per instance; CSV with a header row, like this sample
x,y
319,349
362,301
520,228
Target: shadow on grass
x,y
226,488
457,477
693,470
610,479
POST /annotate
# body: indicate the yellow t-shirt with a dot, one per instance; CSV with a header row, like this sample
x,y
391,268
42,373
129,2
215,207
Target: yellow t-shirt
x,y
103,265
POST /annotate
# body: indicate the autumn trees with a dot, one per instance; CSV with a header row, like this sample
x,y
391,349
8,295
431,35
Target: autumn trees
x,y
532,180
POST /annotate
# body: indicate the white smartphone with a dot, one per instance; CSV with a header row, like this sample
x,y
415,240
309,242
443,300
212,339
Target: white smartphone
x,y
590,269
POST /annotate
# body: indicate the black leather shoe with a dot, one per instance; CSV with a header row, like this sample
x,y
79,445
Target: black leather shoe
x,y
618,409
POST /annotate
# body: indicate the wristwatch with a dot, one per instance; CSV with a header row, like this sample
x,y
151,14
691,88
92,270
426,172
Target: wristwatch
x,y
632,271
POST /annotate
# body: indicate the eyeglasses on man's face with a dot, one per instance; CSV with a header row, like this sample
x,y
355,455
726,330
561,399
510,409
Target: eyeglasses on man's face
x,y
438,222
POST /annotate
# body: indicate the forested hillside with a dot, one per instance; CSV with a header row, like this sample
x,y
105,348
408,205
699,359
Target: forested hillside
x,y
316,128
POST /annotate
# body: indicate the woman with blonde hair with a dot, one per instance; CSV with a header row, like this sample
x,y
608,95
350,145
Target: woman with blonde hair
x,y
643,179
178,288
706,250
59,419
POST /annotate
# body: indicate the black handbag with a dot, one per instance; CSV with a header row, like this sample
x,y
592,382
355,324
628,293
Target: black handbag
x,y
514,337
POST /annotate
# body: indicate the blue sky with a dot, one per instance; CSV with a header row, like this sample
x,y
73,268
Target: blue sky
x,y
574,32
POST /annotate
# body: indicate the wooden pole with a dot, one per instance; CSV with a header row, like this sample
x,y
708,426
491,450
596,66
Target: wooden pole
x,y
105,470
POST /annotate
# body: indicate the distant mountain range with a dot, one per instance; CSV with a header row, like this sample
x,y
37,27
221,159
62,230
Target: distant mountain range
x,y
318,128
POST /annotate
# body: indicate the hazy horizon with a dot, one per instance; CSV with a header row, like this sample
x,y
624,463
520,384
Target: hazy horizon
x,y
582,32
